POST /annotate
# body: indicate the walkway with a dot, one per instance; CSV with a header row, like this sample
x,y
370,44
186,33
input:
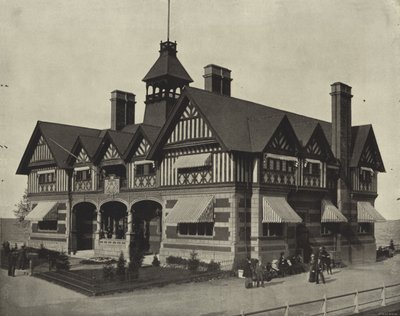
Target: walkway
x,y
25,295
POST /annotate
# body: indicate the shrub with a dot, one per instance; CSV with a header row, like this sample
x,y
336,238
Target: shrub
x,y
176,260
121,266
156,262
61,261
213,266
193,262
108,271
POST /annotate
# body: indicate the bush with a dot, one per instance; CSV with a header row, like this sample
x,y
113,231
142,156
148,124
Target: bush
x,y
121,266
177,260
108,271
156,262
193,262
213,266
61,262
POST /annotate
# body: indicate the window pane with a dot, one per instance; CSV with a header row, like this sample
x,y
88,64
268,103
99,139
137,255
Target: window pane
x,y
209,229
183,229
201,229
192,229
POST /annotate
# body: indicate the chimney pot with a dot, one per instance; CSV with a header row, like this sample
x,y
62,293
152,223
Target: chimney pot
x,y
122,109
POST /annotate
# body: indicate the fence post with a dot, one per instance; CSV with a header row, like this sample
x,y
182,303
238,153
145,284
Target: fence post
x,y
356,310
287,309
383,295
325,306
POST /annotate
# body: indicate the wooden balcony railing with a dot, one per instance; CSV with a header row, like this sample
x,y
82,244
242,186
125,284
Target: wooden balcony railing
x,y
148,181
279,178
84,185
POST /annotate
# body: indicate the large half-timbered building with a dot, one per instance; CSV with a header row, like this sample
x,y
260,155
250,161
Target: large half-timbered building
x,y
207,172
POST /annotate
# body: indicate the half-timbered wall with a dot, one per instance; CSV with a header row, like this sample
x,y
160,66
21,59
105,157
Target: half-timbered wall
x,y
111,153
221,169
59,184
143,148
244,169
190,126
42,152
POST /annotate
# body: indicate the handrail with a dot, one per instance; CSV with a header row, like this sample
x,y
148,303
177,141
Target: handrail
x,y
355,306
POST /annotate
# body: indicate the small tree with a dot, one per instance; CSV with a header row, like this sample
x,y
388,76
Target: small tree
x,y
23,207
193,262
121,266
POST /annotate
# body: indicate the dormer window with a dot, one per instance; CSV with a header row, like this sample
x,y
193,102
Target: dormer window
x,y
145,170
83,175
312,168
47,177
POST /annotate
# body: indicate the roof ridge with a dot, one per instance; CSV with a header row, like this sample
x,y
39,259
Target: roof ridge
x,y
63,124
254,103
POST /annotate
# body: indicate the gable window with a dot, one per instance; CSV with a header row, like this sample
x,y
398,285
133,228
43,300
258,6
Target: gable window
x,y
366,175
48,177
196,229
279,165
312,168
145,170
83,175
272,229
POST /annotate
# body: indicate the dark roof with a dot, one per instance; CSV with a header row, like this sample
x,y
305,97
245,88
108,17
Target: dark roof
x,y
120,139
90,144
59,137
253,123
131,128
151,132
168,64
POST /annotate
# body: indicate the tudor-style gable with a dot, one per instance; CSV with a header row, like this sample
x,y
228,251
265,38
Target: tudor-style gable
x,y
283,140
41,153
317,146
190,126
143,148
110,153
370,156
83,157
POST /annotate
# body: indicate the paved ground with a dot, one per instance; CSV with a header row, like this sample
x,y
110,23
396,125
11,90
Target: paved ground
x,y
24,295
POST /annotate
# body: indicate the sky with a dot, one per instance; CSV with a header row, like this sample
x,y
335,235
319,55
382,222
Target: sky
x,y
61,60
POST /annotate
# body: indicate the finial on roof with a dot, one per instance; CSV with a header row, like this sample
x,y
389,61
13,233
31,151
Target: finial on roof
x,y
169,5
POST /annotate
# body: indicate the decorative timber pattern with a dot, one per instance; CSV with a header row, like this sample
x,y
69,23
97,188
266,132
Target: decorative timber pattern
x,y
111,153
221,169
190,126
313,148
82,157
279,178
143,148
280,142
56,180
369,156
145,181
42,152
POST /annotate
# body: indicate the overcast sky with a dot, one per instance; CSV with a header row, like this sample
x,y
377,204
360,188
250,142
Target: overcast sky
x,y
61,60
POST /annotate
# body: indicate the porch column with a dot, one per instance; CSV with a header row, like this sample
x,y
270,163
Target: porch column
x,y
128,235
98,224
114,234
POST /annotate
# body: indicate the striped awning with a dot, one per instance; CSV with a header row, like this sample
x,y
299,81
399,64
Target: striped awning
x,y
194,209
277,210
366,213
330,213
191,161
43,211
143,162
282,157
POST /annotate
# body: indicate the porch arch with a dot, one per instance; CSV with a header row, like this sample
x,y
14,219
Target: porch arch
x,y
84,225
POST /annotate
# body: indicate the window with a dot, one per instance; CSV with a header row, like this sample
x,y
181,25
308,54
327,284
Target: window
x,y
311,168
272,229
47,178
196,229
83,175
366,176
145,170
325,230
364,228
279,165
47,225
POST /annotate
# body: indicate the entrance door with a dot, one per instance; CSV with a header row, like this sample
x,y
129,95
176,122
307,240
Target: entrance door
x,y
303,242
85,226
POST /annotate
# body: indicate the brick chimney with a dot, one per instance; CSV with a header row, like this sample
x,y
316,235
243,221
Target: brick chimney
x,y
122,109
217,79
341,124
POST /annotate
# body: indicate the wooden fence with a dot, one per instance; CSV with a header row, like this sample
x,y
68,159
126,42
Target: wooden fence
x,y
330,305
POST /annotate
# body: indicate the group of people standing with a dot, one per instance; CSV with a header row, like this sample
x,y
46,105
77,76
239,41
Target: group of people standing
x,y
318,263
17,258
